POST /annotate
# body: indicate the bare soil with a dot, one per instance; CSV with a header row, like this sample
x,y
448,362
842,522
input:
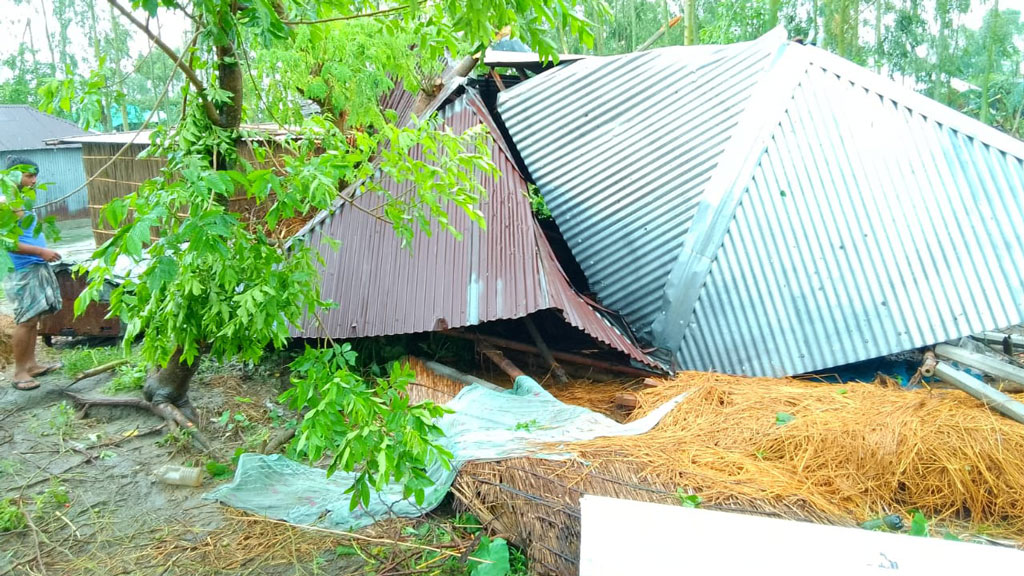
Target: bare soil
x,y
116,518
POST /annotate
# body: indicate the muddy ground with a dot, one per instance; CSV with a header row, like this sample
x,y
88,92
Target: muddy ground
x,y
85,485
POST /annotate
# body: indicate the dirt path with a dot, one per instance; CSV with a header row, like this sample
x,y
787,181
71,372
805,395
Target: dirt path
x,y
94,507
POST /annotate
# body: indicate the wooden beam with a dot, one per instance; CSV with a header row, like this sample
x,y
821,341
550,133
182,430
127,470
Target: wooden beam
x,y
498,358
563,356
557,370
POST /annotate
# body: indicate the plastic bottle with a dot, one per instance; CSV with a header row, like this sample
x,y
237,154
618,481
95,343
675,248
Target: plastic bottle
x,y
179,475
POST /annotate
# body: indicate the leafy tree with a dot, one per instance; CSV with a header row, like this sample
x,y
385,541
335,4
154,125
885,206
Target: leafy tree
x,y
215,283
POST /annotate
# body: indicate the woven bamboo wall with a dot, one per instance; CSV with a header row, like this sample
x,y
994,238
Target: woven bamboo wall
x,y
122,177
127,172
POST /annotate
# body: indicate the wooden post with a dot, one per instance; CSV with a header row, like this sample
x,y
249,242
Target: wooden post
x,y
498,358
992,398
545,351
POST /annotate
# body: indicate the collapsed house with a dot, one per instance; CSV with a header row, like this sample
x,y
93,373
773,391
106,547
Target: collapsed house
x,y
506,271
769,209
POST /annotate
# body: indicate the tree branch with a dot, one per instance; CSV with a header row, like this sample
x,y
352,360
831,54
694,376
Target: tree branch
x,y
373,14
193,79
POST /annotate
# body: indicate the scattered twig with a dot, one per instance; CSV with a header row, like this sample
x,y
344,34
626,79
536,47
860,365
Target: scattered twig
x,y
35,540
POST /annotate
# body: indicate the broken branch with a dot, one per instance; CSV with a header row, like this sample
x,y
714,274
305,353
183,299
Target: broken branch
x,y
98,370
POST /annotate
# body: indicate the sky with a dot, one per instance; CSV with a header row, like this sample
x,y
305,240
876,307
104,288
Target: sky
x,y
21,17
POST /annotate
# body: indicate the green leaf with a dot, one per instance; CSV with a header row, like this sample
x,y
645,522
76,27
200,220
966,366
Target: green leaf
x,y
218,471
918,525
688,500
783,418
490,558
346,551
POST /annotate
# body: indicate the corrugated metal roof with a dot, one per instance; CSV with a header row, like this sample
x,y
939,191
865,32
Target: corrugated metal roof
x,y
840,217
622,149
25,128
875,221
506,271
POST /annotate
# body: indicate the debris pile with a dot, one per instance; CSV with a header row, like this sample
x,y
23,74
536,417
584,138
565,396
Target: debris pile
x,y
798,449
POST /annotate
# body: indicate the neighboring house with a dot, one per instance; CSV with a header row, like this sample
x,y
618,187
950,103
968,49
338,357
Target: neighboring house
x,y
23,132
768,208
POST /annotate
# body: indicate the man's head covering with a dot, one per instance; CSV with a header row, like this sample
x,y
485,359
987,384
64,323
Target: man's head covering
x,y
13,161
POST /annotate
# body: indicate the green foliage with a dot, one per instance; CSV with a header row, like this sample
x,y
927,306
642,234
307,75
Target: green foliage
x,y
527,426
491,558
11,516
537,204
218,471
54,497
127,377
687,500
365,426
62,419
918,524
13,222
783,418
80,359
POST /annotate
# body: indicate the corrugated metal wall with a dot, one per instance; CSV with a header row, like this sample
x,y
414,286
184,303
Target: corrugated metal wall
x,y
867,229
61,168
622,149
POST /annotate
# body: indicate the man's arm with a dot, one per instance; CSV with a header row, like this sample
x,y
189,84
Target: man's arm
x,y
44,253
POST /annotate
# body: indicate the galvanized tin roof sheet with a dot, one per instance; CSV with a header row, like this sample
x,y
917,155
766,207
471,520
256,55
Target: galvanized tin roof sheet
x,y
506,271
25,128
874,221
622,149
816,214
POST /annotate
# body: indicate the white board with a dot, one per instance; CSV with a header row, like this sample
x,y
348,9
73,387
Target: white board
x,y
623,537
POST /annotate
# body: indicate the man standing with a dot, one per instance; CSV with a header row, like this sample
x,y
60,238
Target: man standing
x,y
31,286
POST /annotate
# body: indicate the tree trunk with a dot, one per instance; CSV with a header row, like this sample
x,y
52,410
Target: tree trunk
x,y
170,385
773,14
229,78
879,6
690,17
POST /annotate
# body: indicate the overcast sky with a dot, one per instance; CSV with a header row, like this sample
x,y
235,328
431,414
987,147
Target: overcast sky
x,y
20,18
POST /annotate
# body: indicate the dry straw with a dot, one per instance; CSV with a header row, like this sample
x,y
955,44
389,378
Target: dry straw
x,y
837,453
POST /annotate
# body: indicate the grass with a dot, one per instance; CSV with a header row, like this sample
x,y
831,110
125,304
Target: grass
x,y
11,517
80,359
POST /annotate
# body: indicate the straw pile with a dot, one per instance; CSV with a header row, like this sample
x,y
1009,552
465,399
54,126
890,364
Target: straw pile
x,y
837,454
849,452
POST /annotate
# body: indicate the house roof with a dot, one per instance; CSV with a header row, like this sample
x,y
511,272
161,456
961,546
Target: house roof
x,y
768,208
505,271
25,128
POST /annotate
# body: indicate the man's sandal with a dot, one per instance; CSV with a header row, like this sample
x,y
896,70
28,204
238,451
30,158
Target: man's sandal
x,y
25,385
47,369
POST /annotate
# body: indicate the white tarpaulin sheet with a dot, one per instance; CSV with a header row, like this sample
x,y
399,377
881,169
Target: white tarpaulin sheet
x,y
485,425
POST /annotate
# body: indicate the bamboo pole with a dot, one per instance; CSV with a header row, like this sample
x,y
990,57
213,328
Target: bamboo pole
x,y
986,364
559,373
992,398
999,339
